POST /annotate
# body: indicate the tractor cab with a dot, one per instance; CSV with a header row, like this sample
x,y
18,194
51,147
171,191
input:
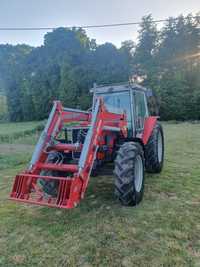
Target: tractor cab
x,y
128,98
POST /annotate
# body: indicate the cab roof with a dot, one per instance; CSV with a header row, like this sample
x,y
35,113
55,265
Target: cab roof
x,y
97,89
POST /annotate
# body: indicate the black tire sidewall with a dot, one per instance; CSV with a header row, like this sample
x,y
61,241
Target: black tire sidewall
x,y
152,163
160,131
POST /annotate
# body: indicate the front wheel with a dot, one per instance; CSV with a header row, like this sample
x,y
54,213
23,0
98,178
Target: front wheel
x,y
129,174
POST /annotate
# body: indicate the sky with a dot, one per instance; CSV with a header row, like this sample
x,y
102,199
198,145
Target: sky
x,y
51,13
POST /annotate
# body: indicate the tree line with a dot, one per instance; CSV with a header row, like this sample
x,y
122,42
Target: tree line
x,y
69,62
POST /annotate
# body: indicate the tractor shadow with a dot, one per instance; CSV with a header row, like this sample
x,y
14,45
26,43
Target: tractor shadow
x,y
102,186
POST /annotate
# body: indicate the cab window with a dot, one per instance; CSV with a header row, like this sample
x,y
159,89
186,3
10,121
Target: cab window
x,y
140,109
118,103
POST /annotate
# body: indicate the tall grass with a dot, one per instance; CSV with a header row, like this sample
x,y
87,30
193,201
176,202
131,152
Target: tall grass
x,y
3,108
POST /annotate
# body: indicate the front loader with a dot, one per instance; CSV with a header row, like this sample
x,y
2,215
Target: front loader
x,y
75,144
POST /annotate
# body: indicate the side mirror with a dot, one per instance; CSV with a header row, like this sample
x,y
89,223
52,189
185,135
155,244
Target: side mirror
x,y
149,92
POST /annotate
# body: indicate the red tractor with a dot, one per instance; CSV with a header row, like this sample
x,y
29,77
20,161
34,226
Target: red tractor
x,y
76,144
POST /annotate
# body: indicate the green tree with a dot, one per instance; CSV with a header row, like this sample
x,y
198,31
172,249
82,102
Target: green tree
x,y
144,56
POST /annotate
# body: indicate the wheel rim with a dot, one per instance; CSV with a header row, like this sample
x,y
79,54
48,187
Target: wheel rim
x,y
160,147
138,173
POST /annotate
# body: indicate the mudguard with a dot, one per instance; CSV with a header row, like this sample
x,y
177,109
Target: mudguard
x,y
149,125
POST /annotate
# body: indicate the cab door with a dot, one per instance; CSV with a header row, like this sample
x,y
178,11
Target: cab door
x,y
140,110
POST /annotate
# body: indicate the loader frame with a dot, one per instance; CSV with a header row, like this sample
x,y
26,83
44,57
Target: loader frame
x,y
71,186
71,189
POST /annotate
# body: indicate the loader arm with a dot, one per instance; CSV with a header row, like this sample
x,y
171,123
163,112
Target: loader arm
x,y
70,188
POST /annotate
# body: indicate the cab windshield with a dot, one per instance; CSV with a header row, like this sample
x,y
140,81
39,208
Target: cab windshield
x,y
118,103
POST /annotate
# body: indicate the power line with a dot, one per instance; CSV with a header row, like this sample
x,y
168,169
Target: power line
x,y
84,26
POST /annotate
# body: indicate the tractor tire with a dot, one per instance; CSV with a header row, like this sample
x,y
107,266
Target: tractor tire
x,y
95,169
129,174
154,150
50,187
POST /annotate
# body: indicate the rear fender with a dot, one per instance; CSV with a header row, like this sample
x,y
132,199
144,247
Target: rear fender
x,y
149,125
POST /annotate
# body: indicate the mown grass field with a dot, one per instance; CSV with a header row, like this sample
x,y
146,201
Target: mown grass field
x,y
20,132
163,231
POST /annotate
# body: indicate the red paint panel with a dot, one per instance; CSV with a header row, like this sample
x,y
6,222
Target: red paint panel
x,y
149,124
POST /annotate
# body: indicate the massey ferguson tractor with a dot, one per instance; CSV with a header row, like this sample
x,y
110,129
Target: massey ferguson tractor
x,y
75,144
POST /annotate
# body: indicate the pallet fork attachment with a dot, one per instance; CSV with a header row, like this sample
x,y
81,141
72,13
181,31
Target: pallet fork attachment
x,y
70,189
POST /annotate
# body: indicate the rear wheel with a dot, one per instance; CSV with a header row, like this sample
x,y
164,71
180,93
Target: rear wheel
x,y
154,150
129,172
